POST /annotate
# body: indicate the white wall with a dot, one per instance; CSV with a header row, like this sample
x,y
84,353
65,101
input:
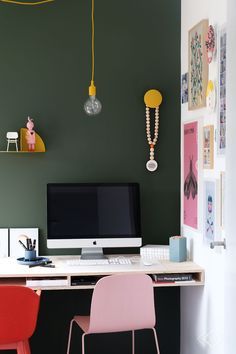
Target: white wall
x,y
230,269
202,309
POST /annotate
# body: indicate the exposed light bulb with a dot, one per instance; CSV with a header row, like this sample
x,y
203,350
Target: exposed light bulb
x,y
92,106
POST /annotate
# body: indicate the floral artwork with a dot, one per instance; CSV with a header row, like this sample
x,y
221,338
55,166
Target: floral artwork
x,y
210,43
190,185
198,66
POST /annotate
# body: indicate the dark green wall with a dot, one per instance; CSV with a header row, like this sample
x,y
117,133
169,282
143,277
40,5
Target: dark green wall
x,y
45,72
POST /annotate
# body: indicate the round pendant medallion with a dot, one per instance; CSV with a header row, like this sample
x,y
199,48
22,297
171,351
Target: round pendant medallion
x,y
151,165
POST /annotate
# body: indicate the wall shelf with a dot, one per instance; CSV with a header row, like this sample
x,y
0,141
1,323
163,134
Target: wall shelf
x,y
23,148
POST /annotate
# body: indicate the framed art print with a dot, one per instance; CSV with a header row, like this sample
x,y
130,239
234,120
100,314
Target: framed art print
x,y
222,199
190,174
221,126
208,147
184,88
210,210
198,66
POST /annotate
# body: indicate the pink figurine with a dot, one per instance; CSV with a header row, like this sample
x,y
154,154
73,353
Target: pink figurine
x,y
30,135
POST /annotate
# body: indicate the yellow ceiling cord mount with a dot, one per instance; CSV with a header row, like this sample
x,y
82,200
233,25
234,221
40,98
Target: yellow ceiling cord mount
x,y
92,106
26,3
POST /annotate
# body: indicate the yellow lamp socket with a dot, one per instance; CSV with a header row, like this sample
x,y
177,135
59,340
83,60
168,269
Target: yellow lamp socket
x,y
152,98
92,89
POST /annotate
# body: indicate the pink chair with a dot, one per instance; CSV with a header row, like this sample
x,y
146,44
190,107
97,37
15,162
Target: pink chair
x,y
18,317
123,302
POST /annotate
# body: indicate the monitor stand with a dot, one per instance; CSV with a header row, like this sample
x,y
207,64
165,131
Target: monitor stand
x,y
92,253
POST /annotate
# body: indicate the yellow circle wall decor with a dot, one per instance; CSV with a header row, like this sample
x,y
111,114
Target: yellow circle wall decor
x,y
152,98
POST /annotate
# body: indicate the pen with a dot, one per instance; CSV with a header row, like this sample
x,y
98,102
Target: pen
x,y
30,245
40,264
34,244
23,245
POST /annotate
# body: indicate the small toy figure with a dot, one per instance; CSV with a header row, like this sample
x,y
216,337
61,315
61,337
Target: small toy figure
x,y
30,135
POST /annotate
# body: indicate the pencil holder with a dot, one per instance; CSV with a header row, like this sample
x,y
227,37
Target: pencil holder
x,y
178,250
30,255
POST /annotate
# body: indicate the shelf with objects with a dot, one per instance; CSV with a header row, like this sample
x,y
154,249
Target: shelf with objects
x,y
30,141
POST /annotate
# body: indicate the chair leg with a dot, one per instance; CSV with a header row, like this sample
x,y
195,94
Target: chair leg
x,y
69,339
26,347
156,340
133,343
23,347
83,348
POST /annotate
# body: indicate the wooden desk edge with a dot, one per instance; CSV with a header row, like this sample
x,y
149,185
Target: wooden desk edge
x,y
20,276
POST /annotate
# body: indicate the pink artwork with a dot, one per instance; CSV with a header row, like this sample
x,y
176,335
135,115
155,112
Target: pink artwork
x,y
30,135
191,174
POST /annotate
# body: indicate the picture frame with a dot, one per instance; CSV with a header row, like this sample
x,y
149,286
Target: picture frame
x,y
4,243
190,174
210,219
184,88
208,147
197,65
222,199
15,248
221,119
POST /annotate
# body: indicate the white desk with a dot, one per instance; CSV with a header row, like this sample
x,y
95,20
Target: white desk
x,y
61,277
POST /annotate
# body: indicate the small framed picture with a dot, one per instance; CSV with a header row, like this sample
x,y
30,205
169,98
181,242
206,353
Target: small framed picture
x,y
211,219
222,200
221,124
184,88
208,147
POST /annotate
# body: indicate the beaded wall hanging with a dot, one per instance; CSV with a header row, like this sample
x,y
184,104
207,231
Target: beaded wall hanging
x,y
152,99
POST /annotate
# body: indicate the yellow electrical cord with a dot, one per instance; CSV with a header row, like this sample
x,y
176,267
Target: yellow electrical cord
x,y
92,21
26,3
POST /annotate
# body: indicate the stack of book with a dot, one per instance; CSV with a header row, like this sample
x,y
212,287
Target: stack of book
x,y
172,278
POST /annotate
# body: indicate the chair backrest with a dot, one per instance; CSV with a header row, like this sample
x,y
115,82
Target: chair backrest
x,y
19,307
122,302
12,135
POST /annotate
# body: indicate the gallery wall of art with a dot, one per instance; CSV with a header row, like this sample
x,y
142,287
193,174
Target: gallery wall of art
x,y
203,151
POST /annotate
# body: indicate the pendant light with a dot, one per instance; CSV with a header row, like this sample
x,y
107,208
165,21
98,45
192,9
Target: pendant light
x,y
92,106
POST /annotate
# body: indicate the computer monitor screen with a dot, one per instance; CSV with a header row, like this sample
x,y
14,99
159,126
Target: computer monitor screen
x,y
82,215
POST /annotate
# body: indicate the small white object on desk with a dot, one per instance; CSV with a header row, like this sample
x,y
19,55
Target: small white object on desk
x,y
154,252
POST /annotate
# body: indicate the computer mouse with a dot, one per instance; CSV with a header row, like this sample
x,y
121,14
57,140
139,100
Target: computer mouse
x,y
147,262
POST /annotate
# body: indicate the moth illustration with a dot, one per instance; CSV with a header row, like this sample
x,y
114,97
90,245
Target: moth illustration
x,y
190,183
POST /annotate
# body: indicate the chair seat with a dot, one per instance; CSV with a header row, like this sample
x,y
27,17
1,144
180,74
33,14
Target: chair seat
x,y
83,322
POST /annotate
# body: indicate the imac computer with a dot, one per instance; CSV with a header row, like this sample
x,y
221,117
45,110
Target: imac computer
x,y
92,216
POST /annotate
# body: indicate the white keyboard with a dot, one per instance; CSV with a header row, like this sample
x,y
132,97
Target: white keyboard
x,y
109,261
